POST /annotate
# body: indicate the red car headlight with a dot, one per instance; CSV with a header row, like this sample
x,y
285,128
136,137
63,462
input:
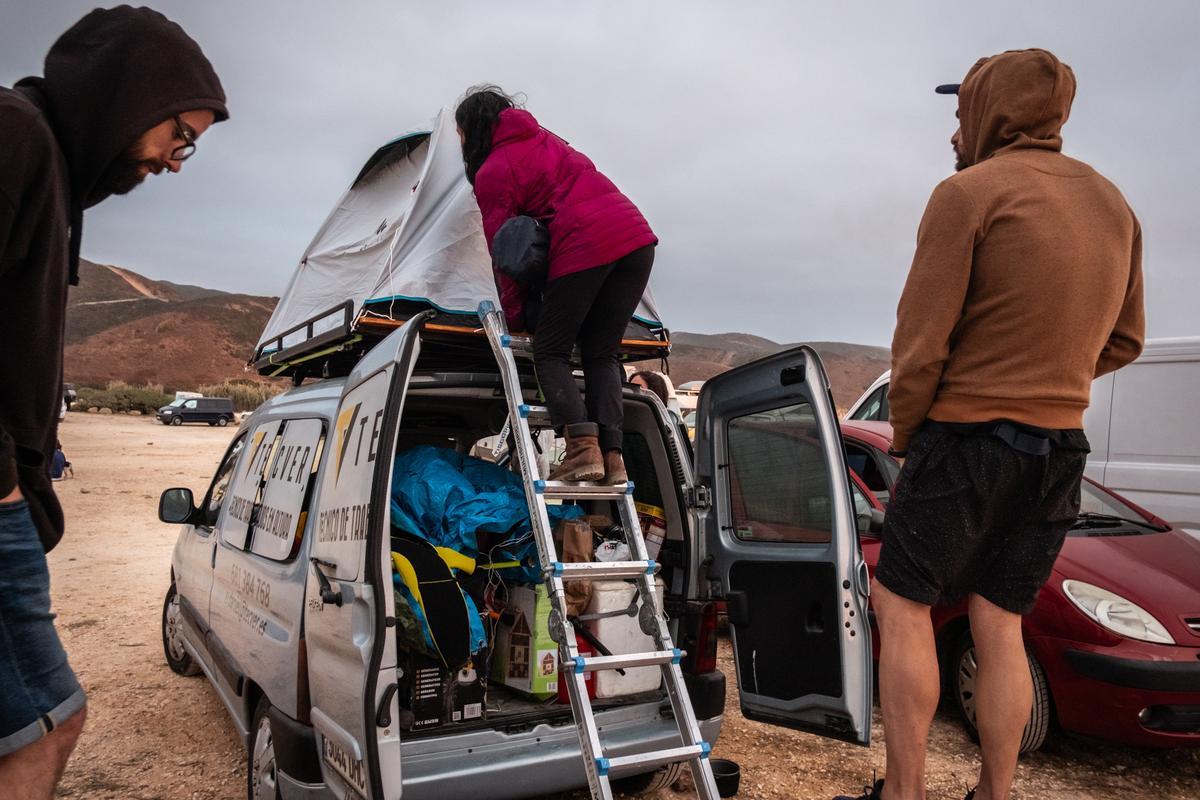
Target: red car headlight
x,y
1115,613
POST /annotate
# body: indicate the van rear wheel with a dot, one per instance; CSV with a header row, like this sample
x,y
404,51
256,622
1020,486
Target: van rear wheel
x,y
222,421
262,780
661,778
172,635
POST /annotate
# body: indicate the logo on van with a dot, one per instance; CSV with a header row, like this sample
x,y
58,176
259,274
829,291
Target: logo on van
x,y
345,423
255,447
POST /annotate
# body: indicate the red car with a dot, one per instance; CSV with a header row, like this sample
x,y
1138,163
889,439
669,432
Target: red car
x,y
1114,640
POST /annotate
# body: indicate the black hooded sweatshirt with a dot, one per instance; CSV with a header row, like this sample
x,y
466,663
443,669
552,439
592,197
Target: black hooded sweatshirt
x,y
113,76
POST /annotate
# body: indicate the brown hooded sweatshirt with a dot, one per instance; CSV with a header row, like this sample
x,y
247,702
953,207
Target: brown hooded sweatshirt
x,y
1027,279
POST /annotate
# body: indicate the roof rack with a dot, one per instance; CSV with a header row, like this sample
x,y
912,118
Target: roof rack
x,y
328,344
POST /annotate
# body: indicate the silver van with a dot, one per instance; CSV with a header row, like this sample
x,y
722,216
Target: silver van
x,y
281,590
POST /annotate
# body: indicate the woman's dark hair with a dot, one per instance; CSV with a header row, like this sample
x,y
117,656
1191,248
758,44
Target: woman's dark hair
x,y
655,382
476,115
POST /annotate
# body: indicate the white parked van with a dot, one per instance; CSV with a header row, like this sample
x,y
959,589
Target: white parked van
x,y
282,585
1142,424
1144,427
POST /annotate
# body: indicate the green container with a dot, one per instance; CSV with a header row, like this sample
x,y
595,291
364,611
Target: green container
x,y
526,658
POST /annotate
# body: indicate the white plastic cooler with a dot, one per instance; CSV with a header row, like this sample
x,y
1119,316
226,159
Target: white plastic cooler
x,y
622,635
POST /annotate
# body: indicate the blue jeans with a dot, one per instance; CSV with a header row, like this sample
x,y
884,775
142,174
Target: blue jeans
x,y
38,690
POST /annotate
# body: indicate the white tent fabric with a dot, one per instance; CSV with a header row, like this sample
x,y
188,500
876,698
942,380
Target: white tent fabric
x,y
408,229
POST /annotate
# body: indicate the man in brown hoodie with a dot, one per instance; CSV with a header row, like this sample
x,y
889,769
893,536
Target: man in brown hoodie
x,y
1026,285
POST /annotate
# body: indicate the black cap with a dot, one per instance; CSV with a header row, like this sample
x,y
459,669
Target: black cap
x,y
948,88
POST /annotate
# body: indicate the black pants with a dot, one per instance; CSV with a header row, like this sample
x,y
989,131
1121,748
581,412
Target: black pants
x,y
591,307
972,515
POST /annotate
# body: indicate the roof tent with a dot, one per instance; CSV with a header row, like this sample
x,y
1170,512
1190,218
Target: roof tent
x,y
405,237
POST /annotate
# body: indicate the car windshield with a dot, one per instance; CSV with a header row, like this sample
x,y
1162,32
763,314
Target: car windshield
x,y
176,403
1100,512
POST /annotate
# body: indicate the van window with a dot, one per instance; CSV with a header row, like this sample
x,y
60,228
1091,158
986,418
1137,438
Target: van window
x,y
280,512
778,477
874,407
189,403
220,483
639,463
247,482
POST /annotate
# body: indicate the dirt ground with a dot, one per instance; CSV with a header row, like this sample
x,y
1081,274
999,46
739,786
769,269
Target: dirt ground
x,y
152,734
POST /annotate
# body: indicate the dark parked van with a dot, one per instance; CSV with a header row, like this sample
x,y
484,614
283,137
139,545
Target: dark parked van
x,y
213,410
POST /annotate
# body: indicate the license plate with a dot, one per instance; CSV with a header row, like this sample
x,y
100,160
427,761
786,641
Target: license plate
x,y
351,771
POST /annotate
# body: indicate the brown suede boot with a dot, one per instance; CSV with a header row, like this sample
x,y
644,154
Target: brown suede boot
x,y
614,468
583,461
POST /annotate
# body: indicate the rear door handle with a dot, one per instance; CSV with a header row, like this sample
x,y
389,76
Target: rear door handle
x,y
383,715
328,595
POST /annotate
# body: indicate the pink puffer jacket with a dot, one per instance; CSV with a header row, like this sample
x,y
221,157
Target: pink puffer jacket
x,y
532,172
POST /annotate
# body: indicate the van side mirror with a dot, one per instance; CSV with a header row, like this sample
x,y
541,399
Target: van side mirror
x,y
176,506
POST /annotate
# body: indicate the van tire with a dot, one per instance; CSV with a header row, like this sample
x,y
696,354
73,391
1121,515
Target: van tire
x,y
172,633
177,420
222,421
963,666
661,778
262,782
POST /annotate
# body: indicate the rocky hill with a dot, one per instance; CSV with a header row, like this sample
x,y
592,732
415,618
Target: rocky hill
x,y
125,326
851,367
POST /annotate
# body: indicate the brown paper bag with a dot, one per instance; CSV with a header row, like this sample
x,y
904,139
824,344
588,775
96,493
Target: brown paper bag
x,y
576,538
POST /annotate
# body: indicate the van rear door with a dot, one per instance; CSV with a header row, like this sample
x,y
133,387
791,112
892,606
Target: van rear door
x,y
782,545
348,604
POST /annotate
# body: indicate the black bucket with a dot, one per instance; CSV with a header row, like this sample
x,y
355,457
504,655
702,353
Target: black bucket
x,y
727,775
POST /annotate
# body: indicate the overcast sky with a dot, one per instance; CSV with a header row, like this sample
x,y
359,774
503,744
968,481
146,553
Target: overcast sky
x,y
783,152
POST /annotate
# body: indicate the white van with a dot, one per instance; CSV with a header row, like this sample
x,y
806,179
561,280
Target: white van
x,y
1144,428
1142,424
281,581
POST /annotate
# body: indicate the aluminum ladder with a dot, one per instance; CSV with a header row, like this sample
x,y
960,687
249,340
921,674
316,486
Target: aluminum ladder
x,y
694,750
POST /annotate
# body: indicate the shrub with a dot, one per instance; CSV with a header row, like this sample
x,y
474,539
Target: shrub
x,y
246,395
121,397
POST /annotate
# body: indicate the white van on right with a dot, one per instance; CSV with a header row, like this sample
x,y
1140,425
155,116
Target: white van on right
x,y
1145,432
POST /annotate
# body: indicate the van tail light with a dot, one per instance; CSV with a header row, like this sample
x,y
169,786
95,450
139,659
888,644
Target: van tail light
x,y
700,641
303,702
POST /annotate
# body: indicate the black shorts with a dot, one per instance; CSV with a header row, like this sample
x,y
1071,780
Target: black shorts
x,y
972,515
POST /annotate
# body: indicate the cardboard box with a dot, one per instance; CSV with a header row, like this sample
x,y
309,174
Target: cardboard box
x,y
435,696
423,691
467,694
526,658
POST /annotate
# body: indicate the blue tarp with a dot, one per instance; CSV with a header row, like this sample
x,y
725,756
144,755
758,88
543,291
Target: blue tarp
x,y
447,498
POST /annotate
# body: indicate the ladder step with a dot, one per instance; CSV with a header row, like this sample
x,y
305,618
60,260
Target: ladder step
x,y
566,490
598,663
522,344
655,758
602,570
536,416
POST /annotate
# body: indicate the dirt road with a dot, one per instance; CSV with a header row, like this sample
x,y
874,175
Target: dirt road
x,y
152,734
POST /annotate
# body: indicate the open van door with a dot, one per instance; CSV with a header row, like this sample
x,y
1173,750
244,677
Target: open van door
x,y
782,545
348,615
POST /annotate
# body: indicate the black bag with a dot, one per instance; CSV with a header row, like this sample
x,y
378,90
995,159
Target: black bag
x,y
521,250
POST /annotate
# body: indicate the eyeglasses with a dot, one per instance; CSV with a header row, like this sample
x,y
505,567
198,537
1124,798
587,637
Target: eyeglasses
x,y
188,148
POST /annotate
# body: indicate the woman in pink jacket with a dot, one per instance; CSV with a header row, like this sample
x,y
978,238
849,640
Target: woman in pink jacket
x,y
601,252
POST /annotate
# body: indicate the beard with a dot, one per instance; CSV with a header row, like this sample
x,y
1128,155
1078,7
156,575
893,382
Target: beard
x,y
960,161
125,172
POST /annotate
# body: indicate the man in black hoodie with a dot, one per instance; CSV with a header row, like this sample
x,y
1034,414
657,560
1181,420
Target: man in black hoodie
x,y
125,93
